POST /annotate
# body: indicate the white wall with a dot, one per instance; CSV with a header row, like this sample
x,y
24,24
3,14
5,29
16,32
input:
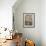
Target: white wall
x,y
28,6
43,22
6,13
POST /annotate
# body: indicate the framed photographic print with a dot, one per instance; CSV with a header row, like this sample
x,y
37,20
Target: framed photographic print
x,y
29,20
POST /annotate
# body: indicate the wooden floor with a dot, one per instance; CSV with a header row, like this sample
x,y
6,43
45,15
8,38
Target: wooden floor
x,y
9,43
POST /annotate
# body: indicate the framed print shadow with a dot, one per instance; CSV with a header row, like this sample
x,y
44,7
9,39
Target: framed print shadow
x,y
29,20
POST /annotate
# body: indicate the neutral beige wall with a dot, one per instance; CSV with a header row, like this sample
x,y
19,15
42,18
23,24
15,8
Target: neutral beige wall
x,y
28,6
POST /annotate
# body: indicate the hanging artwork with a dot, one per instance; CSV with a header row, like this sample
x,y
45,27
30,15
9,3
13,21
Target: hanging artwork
x,y
29,20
